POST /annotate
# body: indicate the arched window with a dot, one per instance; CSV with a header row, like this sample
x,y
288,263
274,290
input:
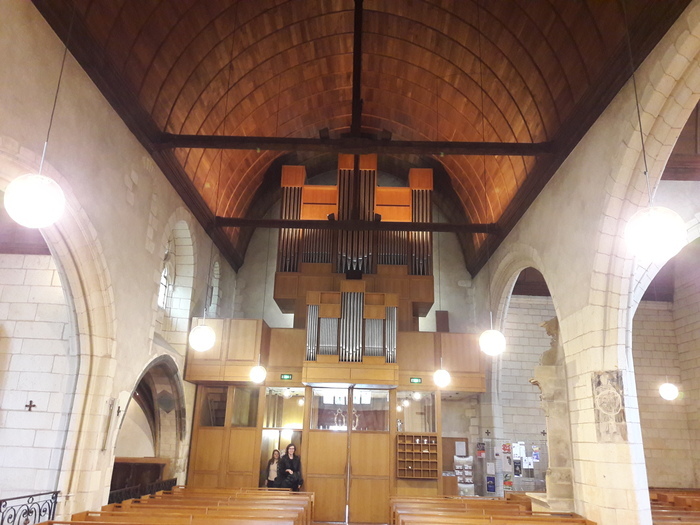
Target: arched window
x,y
163,287
167,276
214,299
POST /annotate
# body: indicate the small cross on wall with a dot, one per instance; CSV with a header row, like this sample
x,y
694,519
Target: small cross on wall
x,y
488,432
30,405
544,433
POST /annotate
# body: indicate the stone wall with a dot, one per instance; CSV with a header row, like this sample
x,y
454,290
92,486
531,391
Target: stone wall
x,y
35,366
523,417
665,433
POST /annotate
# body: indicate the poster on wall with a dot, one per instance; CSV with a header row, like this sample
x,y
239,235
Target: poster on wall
x,y
535,453
507,482
507,462
506,448
528,463
490,483
491,468
481,450
517,467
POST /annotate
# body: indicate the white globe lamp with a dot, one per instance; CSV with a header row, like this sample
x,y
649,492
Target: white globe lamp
x,y
202,338
442,378
655,234
34,201
492,342
668,391
258,374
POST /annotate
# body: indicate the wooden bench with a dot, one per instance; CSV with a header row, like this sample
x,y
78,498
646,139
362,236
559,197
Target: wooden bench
x,y
474,511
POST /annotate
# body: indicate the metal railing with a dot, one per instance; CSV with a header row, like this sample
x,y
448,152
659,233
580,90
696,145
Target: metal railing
x,y
117,496
28,510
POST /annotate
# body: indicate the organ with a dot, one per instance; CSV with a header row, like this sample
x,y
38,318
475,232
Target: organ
x,y
356,296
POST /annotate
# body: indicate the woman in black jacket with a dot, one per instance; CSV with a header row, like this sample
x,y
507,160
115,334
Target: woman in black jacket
x,y
289,469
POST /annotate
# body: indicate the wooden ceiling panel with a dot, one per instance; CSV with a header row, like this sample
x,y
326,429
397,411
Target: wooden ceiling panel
x,y
437,70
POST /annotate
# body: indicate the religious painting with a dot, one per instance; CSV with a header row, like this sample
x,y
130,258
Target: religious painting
x,y
609,403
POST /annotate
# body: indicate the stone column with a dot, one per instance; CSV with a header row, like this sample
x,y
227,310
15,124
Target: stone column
x,y
550,377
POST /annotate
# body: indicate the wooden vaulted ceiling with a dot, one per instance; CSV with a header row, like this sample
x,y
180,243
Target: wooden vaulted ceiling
x,y
533,72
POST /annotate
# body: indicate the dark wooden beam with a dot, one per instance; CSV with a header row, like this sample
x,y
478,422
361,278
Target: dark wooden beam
x,y
682,167
354,145
356,225
356,122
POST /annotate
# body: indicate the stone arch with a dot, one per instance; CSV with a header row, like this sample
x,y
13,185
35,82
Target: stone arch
x,y
80,260
178,250
162,378
669,89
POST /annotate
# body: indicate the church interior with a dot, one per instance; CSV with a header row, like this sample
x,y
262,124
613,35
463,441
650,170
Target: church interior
x,y
448,249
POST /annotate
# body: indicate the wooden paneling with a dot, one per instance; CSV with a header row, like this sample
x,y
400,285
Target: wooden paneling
x,y
238,480
293,176
420,179
327,453
245,338
368,500
460,352
241,450
287,347
208,453
414,487
415,350
329,502
368,454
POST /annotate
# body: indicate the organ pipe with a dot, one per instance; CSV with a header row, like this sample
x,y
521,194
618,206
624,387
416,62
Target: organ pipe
x,y
390,340
312,332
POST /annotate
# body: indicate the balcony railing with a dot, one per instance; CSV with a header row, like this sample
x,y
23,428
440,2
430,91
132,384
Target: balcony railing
x,y
28,510
117,496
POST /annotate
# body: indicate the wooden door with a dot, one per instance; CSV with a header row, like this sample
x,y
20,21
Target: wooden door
x,y
325,473
371,462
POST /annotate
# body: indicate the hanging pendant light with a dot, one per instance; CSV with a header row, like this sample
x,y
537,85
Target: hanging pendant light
x,y
668,391
258,374
34,201
442,378
202,338
492,342
655,234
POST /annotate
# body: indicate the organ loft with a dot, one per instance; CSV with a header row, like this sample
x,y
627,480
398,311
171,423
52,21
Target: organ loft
x,y
351,383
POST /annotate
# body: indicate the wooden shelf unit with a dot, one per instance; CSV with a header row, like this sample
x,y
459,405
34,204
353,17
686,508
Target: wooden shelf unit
x,y
417,456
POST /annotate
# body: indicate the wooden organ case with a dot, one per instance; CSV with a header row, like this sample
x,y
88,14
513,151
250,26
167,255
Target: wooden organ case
x,y
356,296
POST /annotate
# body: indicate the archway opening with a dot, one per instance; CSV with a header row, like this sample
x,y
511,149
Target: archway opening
x,y
147,449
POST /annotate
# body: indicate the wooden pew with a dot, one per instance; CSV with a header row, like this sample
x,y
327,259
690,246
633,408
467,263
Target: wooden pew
x,y
474,511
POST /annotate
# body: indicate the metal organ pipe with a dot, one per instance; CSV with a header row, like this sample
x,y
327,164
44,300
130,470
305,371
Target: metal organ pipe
x,y
390,340
288,251
352,313
328,336
312,332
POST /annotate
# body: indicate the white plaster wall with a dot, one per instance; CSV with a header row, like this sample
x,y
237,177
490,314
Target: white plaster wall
x,y
667,440
120,206
135,439
452,285
256,280
523,417
35,365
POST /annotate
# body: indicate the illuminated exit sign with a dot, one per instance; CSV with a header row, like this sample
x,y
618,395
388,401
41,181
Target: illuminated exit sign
x,y
286,377
416,380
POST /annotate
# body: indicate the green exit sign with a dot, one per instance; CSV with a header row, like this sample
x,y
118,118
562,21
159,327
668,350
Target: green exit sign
x,y
286,377
416,380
